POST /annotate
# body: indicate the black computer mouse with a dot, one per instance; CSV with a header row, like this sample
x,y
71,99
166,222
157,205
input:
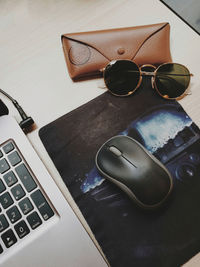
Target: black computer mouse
x,y
125,162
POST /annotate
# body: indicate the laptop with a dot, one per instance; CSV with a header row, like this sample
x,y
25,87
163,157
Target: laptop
x,y
37,225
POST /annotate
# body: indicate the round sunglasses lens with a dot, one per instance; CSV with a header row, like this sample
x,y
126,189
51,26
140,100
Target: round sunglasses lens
x,y
172,80
121,77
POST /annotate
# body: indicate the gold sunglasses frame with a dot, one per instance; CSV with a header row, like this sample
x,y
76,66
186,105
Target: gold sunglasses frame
x,y
146,73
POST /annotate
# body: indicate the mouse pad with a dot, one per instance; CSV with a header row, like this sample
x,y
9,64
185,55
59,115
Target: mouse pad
x,y
128,235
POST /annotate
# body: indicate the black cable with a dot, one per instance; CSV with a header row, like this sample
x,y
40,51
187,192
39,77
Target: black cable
x,y
26,121
8,96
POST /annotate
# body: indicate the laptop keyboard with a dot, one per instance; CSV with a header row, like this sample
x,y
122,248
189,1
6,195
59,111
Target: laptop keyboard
x,y
23,205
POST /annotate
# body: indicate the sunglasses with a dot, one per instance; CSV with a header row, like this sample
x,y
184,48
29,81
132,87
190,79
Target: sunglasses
x,y
123,77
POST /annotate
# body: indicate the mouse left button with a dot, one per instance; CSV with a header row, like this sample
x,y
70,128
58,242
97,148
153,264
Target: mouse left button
x,y
115,151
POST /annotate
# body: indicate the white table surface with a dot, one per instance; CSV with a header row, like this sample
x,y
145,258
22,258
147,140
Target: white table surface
x,y
33,69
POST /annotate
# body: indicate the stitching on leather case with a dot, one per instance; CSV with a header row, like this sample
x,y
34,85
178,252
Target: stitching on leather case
x,y
148,39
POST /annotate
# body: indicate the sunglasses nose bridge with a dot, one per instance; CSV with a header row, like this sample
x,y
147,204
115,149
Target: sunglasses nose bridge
x,y
152,82
147,73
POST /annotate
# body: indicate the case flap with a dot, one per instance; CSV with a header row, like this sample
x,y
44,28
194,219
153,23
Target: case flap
x,y
124,41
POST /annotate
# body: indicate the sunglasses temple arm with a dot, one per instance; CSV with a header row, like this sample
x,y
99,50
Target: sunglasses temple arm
x,y
174,74
144,73
167,78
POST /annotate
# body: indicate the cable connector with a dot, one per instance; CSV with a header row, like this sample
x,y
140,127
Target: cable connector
x,y
27,122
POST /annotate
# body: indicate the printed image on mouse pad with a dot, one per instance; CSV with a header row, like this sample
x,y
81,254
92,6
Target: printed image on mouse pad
x,y
127,234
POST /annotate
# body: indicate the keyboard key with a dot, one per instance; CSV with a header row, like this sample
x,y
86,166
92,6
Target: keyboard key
x,y
42,205
1,154
1,249
3,223
18,192
13,214
14,158
34,220
9,238
26,177
2,186
22,229
10,178
8,147
4,166
6,200
25,206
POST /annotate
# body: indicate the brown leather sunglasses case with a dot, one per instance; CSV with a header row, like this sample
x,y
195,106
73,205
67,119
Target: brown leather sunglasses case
x,y
87,53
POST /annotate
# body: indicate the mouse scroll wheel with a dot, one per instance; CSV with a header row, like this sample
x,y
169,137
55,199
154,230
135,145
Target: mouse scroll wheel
x,y
115,151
